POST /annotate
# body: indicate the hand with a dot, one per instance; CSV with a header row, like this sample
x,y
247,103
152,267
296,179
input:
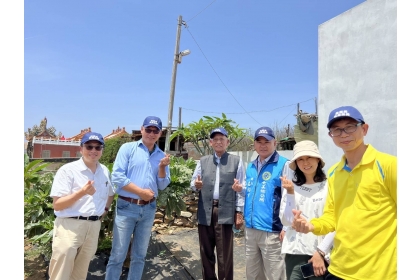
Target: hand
x,y
239,220
89,188
166,160
318,263
237,187
300,224
287,185
281,235
198,183
147,194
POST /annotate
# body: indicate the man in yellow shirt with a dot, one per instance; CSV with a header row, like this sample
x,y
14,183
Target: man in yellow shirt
x,y
361,205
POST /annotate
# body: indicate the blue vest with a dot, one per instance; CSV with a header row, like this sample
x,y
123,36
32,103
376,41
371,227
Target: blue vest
x,y
263,194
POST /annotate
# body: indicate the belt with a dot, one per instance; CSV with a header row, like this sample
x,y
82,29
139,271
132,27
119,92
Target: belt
x,y
215,202
137,201
90,218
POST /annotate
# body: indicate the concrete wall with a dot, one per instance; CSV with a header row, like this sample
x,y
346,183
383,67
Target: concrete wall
x,y
357,65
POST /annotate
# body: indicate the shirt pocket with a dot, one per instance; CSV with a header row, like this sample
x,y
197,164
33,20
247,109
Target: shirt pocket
x,y
368,196
101,186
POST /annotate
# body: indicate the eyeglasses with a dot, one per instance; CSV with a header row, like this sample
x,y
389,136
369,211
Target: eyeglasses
x,y
98,148
348,129
155,131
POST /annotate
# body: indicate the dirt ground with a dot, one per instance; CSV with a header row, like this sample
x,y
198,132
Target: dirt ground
x,y
172,254
34,264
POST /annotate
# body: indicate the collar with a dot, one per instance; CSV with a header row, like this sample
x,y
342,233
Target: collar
x,y
368,157
81,165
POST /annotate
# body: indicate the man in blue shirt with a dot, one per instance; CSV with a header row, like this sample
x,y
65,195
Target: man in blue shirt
x,y
262,205
140,169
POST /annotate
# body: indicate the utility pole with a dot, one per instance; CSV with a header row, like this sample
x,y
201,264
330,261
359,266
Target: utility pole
x,y
172,94
177,140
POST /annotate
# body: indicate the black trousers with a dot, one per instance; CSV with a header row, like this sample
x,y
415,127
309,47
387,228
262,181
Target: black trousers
x,y
221,237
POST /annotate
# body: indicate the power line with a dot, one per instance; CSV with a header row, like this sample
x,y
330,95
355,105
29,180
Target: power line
x,y
201,11
261,111
219,77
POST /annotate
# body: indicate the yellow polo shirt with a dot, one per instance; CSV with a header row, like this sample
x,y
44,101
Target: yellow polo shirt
x,y
362,208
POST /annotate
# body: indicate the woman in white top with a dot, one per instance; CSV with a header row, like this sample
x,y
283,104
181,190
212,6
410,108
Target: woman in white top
x,y
305,188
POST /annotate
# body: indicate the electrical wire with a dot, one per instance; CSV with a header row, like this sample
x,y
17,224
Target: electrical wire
x,y
219,76
201,11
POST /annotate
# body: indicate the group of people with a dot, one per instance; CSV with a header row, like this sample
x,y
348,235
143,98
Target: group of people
x,y
342,223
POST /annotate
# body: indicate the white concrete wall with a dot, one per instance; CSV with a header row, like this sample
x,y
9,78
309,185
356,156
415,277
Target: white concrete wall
x,y
357,65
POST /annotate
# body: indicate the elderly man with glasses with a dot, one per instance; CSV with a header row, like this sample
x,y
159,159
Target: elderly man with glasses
x,y
361,205
140,169
82,195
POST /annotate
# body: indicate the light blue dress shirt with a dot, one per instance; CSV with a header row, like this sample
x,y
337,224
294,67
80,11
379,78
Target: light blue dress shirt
x,y
134,164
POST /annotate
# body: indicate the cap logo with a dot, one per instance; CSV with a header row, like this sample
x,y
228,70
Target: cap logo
x,y
153,122
93,137
263,131
341,113
217,130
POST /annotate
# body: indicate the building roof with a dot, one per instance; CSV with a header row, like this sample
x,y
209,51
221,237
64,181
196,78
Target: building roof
x,y
116,133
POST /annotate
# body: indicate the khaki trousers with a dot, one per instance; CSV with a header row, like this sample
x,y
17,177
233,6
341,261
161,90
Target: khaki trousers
x,y
264,260
74,244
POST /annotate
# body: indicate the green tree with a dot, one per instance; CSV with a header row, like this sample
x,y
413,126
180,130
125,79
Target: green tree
x,y
198,133
111,148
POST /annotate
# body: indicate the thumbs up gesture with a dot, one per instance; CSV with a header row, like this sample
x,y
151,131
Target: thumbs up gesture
x,y
198,183
237,187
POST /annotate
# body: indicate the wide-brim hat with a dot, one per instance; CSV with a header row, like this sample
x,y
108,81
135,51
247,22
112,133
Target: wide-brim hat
x,y
305,148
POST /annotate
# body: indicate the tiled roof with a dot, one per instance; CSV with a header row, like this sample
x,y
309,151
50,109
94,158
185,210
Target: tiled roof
x,y
116,133
80,135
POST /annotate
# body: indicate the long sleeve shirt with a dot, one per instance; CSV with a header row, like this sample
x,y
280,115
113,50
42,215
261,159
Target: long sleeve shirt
x,y
135,164
240,175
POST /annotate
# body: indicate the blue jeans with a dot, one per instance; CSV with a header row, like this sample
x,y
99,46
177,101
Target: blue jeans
x,y
136,220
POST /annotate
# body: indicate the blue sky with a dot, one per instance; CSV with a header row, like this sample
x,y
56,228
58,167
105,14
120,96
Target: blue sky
x,y
104,64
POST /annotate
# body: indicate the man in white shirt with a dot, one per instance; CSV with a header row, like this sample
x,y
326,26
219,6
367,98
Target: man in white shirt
x,y
82,194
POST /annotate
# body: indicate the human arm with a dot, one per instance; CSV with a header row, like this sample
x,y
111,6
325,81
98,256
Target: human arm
x,y
61,203
120,170
237,186
196,177
283,233
164,162
288,201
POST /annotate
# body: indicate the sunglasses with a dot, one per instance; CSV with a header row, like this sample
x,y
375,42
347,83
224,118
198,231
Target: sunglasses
x,y
98,148
155,131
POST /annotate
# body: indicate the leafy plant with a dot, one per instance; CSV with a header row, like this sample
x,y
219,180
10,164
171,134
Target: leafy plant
x,y
198,133
108,220
38,208
171,198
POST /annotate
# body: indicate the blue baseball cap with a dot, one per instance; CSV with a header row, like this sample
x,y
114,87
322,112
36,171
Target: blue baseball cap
x,y
152,121
265,132
92,136
220,130
344,112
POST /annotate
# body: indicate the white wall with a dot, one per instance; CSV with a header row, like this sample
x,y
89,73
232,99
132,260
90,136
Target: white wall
x,y
357,65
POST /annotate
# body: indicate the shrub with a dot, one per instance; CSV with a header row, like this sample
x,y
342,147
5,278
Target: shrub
x,y
181,171
38,207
